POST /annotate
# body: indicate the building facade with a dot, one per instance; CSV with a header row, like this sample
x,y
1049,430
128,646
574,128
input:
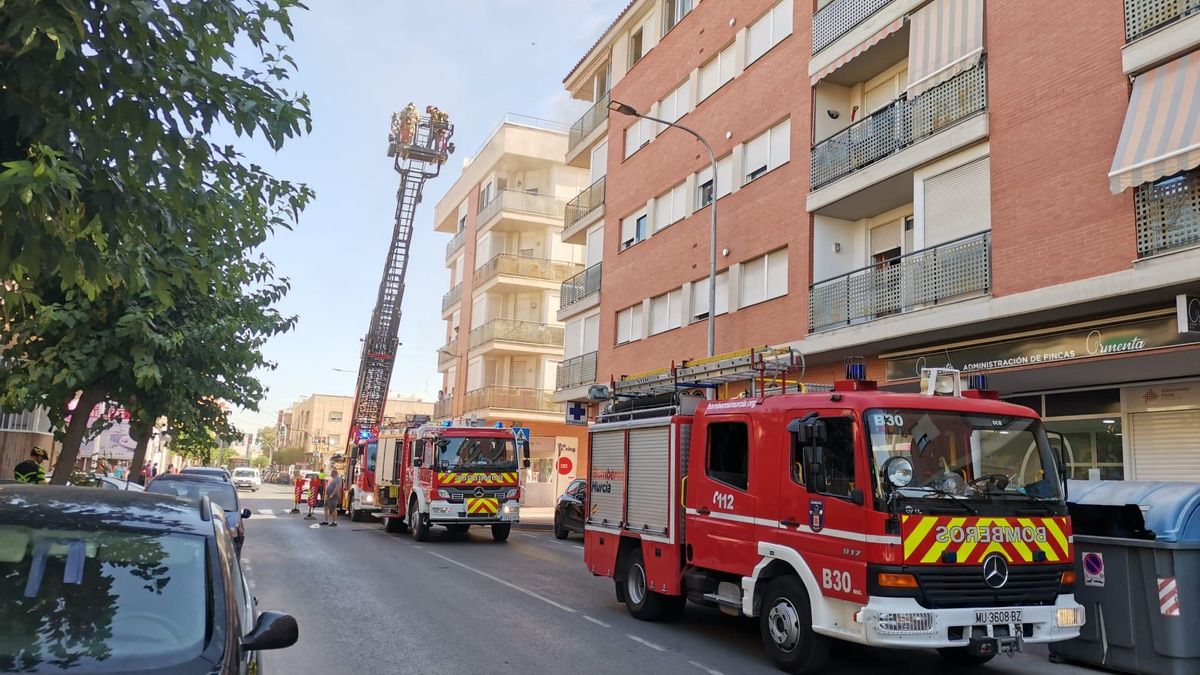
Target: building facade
x,y
1007,187
321,422
507,262
20,433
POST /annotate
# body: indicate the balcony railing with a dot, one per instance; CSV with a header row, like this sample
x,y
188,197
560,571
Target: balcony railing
x,y
526,266
581,286
455,243
952,270
586,124
584,203
524,202
443,408
897,126
525,332
448,352
1146,16
513,398
452,296
575,372
838,18
1167,213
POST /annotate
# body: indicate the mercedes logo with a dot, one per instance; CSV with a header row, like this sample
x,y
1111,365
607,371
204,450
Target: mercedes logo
x,y
479,493
995,571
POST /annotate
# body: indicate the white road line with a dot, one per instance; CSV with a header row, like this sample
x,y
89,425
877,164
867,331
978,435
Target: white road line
x,y
266,516
598,622
498,580
526,534
647,643
267,512
706,669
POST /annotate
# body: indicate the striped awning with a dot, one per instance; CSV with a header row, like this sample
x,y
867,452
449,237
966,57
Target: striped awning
x,y
945,38
1161,135
848,56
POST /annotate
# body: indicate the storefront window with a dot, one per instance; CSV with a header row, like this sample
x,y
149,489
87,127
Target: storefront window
x,y
1093,443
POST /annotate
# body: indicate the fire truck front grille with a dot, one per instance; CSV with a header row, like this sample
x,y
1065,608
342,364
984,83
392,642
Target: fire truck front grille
x,y
963,586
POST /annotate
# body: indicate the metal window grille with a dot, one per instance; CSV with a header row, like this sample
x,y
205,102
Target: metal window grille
x,y
584,203
588,122
840,16
579,287
1146,16
1167,213
576,371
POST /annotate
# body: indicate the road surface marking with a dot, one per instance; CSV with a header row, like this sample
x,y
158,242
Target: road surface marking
x,y
706,669
647,643
498,580
268,516
267,512
314,526
598,622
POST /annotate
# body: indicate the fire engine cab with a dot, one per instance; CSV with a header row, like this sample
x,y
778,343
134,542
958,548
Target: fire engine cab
x,y
923,520
453,476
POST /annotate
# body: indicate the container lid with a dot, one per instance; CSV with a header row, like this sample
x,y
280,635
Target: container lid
x,y
1171,509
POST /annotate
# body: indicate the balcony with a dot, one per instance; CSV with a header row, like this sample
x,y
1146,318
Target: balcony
x,y
584,127
1143,17
451,298
455,243
528,267
955,270
899,125
839,17
444,408
1157,31
576,372
521,202
519,333
578,290
448,353
1167,213
510,398
583,211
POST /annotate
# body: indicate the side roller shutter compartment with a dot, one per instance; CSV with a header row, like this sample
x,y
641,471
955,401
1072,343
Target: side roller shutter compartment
x,y
649,480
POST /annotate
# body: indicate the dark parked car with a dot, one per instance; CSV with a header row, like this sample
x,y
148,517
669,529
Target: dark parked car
x,y
115,581
568,511
195,486
212,471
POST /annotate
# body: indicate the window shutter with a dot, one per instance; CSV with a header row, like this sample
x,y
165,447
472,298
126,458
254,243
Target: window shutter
x,y
591,333
781,143
631,139
572,338
722,293
958,202
675,309
757,155
1164,445
727,59
699,297
758,39
781,21
595,246
628,230
679,201
709,74
753,281
724,176
777,270
886,237
662,211
599,160
624,325
636,323
659,317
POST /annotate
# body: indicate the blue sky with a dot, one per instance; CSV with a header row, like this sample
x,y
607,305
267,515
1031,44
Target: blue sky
x,y
360,60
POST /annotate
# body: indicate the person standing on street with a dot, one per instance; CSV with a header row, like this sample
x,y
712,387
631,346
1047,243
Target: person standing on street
x,y
31,470
333,497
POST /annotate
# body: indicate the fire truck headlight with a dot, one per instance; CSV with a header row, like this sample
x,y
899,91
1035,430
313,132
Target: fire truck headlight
x,y
368,498
443,494
1069,617
905,622
511,507
898,471
514,493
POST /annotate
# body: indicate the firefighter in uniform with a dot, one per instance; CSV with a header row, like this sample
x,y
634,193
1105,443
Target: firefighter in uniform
x,y
31,470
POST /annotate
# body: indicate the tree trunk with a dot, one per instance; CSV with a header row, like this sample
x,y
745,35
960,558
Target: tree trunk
x,y
139,455
73,438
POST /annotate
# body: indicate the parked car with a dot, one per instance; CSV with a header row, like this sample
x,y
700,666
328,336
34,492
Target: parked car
x,y
214,471
248,478
198,486
568,510
117,581
101,481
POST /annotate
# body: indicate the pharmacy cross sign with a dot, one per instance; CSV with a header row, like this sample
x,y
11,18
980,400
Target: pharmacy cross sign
x,y
576,413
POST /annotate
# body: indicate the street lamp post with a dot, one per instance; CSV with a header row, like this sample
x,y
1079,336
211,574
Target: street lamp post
x,y
624,109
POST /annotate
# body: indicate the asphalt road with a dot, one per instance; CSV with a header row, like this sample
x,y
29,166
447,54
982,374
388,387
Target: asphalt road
x,y
368,601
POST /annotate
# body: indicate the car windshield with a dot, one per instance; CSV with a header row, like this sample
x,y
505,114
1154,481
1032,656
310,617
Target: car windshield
x,y
99,601
222,493
243,473
469,454
964,455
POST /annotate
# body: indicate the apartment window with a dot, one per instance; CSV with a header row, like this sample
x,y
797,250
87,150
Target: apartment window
x,y
675,105
637,135
768,31
335,440
462,216
674,11
729,453
768,150
716,72
636,40
700,296
335,416
633,229
764,278
629,324
666,312
704,184
669,207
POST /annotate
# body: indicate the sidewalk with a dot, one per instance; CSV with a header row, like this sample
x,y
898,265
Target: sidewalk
x,y
537,518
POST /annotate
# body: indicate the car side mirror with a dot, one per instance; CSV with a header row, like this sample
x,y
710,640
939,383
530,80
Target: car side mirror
x,y
273,630
245,513
814,467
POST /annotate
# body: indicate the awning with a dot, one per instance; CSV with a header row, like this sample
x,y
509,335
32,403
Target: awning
x,y
846,58
1161,135
945,38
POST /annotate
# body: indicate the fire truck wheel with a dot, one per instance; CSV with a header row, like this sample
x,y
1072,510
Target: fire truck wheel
x,y
958,656
786,626
500,531
395,525
643,603
418,525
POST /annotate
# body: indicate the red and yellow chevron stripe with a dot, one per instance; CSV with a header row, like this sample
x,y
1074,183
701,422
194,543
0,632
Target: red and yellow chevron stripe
x,y
493,478
482,506
971,539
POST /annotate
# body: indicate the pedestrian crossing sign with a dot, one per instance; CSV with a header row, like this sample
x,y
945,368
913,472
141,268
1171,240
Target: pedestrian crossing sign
x,y
522,433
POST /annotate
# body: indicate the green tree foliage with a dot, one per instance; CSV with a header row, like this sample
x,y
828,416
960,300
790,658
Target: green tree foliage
x,y
289,456
267,441
197,444
128,234
260,462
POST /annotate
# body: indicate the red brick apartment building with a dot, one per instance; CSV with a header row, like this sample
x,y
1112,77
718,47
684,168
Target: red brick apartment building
x,y
1009,187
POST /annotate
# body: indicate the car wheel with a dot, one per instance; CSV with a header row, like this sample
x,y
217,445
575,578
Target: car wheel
x,y
962,659
786,627
560,530
500,531
418,525
643,603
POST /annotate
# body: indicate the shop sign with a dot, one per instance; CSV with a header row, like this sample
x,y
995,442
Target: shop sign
x,y
1121,338
1187,313
1166,396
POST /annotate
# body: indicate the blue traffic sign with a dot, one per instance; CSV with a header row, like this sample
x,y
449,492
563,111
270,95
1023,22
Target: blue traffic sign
x,y
522,433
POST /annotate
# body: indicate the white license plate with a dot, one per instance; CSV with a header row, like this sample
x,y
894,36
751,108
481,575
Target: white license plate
x,y
989,616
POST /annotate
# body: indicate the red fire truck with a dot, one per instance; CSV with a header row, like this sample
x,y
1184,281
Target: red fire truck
x,y
358,499
923,520
454,476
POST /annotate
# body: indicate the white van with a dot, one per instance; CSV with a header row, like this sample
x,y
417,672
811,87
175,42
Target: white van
x,y
246,477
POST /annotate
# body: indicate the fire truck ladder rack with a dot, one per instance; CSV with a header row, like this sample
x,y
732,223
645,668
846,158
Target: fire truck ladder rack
x,y
420,146
767,367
